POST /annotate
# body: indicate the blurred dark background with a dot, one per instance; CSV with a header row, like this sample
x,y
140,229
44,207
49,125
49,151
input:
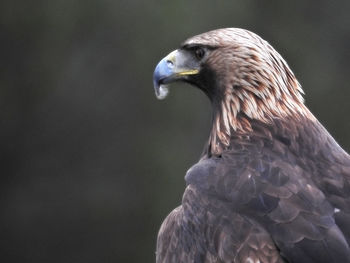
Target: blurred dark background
x,y
92,162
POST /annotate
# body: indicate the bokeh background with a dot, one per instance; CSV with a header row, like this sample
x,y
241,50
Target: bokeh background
x,y
91,161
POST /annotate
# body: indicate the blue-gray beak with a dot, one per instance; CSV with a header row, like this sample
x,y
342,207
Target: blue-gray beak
x,y
175,66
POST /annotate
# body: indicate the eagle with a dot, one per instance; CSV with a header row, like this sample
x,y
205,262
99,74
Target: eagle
x,y
272,185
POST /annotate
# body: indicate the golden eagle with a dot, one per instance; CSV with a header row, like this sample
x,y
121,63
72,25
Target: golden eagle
x,y
272,184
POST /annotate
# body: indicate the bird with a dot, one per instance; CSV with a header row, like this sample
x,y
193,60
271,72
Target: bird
x,y
272,185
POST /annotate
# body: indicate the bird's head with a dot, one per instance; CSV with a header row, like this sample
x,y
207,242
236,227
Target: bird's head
x,y
245,78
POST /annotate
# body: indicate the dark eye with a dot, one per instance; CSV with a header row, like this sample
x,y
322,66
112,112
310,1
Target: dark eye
x,y
199,52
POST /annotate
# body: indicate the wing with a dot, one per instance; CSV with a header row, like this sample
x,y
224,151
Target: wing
x,y
330,170
335,183
172,245
279,195
204,229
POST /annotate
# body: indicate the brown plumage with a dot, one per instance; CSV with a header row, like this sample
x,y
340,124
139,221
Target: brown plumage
x,y
272,184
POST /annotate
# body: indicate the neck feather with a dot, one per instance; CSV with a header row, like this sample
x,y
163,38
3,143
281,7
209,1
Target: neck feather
x,y
241,105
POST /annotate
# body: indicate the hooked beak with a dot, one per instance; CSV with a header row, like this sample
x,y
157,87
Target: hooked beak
x,y
178,65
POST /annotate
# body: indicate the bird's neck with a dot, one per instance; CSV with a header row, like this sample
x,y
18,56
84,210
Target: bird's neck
x,y
239,115
299,134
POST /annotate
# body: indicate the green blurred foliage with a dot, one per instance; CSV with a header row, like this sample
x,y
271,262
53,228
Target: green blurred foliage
x,y
92,162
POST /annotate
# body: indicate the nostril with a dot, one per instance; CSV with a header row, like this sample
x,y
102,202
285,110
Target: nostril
x,y
170,63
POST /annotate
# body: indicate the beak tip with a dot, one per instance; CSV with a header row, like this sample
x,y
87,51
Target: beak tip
x,y
161,91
